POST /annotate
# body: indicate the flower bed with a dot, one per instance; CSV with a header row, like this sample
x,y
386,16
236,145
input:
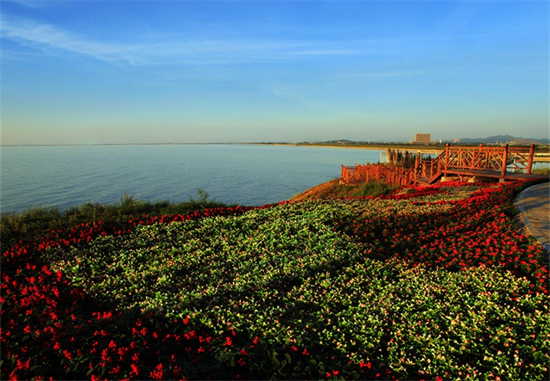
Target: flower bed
x,y
434,283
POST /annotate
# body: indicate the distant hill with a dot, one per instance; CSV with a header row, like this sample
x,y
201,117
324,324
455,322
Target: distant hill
x,y
489,140
504,139
520,141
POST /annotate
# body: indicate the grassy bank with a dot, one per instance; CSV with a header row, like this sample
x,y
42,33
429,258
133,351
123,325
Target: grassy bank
x,y
432,283
334,189
37,222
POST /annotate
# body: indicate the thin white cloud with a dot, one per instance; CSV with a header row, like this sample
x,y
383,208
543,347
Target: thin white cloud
x,y
386,74
35,4
50,38
47,37
325,52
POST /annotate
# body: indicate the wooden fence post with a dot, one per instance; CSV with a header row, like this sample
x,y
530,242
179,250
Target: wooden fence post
x,y
345,174
447,156
480,155
504,161
531,156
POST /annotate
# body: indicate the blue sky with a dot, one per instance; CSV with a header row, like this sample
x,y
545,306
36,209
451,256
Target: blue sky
x,y
80,72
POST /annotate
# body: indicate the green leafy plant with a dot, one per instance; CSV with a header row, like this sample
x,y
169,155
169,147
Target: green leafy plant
x,y
426,284
202,197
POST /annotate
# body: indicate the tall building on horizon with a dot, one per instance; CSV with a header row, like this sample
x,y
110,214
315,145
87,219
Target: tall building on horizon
x,y
422,138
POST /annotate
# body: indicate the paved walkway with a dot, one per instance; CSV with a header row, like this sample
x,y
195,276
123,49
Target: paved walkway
x,y
534,207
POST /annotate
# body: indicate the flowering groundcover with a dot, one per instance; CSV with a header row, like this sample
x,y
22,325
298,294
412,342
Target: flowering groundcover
x,y
431,283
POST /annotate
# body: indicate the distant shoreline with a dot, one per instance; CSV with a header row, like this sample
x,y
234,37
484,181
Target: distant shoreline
x,y
433,148
394,146
380,147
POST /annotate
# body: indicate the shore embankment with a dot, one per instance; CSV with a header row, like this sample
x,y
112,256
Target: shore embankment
x,y
335,189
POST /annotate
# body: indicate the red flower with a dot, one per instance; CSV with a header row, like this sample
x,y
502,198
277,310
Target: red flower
x,y
135,370
158,373
177,372
363,364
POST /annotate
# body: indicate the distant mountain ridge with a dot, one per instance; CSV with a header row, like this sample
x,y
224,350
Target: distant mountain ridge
x,y
496,139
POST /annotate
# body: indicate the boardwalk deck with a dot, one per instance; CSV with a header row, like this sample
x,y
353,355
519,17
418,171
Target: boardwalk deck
x,y
484,173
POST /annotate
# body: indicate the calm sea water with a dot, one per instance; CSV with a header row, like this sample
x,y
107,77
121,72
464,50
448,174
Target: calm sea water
x,y
65,176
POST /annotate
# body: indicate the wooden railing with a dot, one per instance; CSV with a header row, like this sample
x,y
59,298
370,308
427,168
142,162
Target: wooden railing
x,y
431,169
500,159
390,174
493,158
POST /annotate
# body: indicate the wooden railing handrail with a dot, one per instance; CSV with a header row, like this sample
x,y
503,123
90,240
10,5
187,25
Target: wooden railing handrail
x,y
452,158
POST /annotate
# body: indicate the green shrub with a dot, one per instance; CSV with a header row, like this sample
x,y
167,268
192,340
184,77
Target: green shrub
x,y
541,171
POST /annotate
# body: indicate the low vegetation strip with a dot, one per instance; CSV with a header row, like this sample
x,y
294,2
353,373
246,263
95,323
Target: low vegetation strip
x,y
336,189
426,283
